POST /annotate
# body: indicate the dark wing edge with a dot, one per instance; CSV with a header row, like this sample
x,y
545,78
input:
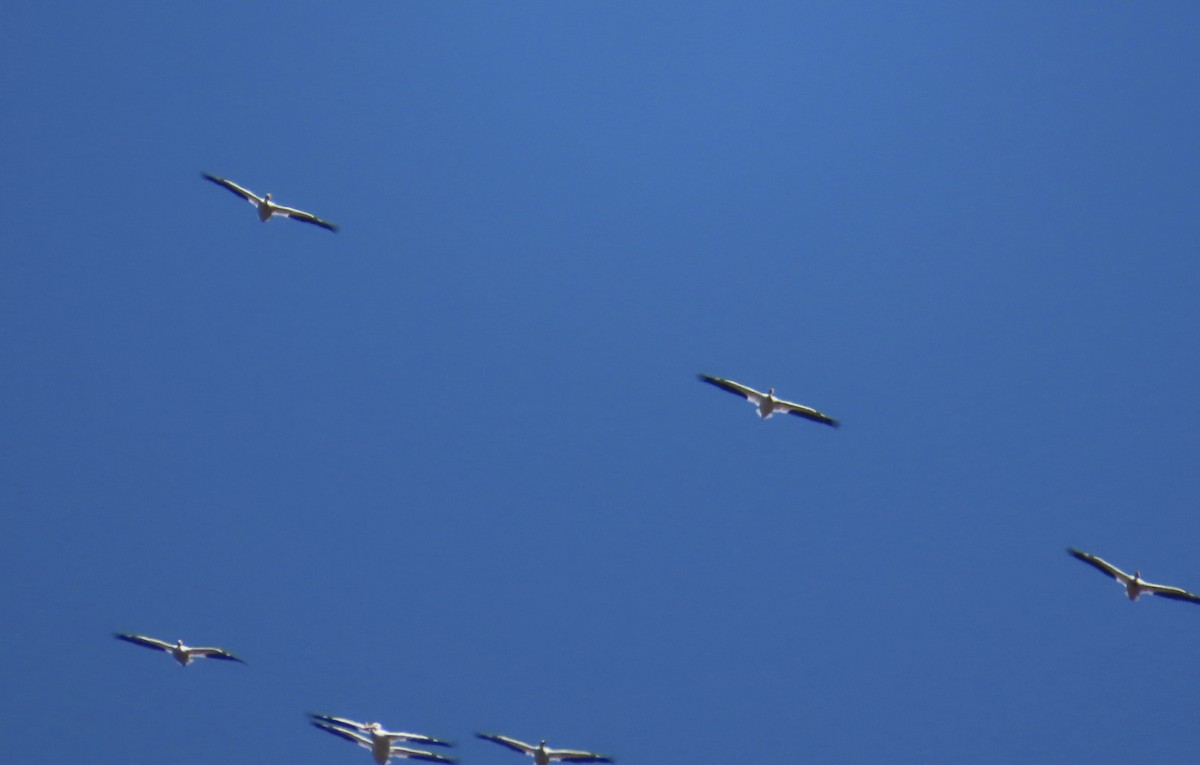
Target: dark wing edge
x,y
420,754
720,383
586,757
809,413
1184,595
341,722
233,188
420,739
1092,560
225,656
139,640
511,743
310,218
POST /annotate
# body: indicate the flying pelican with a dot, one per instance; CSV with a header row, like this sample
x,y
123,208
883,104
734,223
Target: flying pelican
x,y
382,746
267,208
542,754
767,403
377,730
182,653
1134,585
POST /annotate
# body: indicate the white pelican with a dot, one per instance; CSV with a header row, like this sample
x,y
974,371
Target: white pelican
x,y
182,653
267,208
542,754
1134,585
380,742
377,730
767,403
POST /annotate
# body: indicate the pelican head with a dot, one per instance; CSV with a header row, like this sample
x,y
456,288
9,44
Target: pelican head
x,y
771,392
543,744
267,196
179,644
1137,576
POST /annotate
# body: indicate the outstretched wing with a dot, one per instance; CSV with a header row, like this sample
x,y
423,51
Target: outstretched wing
x,y
142,640
418,754
1174,593
395,735
511,743
342,722
349,735
808,413
304,217
575,755
245,194
210,652
1100,565
735,388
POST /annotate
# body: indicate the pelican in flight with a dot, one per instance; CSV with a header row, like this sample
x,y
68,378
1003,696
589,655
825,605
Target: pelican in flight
x,y
382,743
377,730
182,653
767,403
542,754
1134,585
267,208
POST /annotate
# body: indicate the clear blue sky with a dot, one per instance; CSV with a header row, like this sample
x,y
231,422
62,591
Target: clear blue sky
x,y
451,468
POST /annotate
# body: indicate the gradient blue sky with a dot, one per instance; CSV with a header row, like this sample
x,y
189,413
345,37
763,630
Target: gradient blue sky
x,y
451,469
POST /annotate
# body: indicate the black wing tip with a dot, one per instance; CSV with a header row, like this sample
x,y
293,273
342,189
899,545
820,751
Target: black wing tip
x,y
315,222
1185,596
721,383
820,417
226,657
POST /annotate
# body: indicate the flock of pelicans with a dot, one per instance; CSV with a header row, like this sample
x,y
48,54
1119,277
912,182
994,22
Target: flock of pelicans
x,y
387,744
383,744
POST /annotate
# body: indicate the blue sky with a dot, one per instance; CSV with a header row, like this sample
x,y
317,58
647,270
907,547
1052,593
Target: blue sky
x,y
451,469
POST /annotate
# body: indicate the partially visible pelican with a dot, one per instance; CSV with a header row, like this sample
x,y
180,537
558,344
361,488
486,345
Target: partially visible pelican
x,y
1134,585
542,754
182,653
381,743
767,403
267,208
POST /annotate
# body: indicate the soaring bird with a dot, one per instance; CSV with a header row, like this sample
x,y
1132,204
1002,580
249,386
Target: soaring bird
x,y
377,730
542,754
1134,585
767,403
380,742
182,653
267,208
